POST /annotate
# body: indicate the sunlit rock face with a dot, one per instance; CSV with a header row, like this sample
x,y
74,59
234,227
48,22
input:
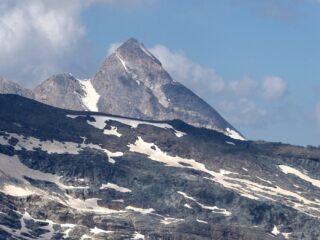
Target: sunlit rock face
x,y
132,83
81,175
61,90
9,87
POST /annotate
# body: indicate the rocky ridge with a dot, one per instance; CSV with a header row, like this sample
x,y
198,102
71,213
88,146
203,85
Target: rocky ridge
x,y
84,175
132,83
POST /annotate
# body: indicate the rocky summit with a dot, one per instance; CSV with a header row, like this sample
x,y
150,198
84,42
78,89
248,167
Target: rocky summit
x,y
132,83
85,175
9,87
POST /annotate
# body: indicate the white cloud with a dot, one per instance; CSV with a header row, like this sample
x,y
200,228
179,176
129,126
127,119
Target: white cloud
x,y
39,38
229,97
36,37
113,47
241,112
274,87
244,87
199,78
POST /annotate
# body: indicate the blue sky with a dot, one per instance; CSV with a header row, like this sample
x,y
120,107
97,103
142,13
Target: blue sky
x,y
256,62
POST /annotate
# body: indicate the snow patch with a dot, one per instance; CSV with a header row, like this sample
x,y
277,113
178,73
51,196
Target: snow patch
x,y
14,172
115,187
118,200
91,98
21,233
32,144
233,134
305,177
243,186
85,237
214,209
140,210
146,51
201,221
267,181
167,221
122,62
89,205
112,131
275,230
187,206
16,191
111,160
286,235
67,227
137,236
100,123
96,230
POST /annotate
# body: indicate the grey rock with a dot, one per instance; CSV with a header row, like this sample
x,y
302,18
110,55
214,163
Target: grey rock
x,y
217,187
131,82
9,87
61,90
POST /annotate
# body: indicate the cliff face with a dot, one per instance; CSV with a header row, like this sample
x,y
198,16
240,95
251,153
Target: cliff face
x,y
133,83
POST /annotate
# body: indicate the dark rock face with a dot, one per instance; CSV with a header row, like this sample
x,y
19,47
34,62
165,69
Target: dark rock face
x,y
132,83
84,175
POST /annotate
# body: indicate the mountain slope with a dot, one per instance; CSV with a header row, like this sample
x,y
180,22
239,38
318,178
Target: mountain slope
x,y
132,83
9,87
84,175
61,90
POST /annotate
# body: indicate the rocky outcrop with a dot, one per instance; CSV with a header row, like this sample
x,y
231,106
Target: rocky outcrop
x,y
61,90
9,87
84,175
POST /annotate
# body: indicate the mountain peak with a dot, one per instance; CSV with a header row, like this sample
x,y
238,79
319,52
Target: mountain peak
x,y
9,87
62,78
62,90
132,42
133,83
133,49
130,45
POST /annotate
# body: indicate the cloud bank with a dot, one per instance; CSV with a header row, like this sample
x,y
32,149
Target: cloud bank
x,y
274,88
237,100
39,38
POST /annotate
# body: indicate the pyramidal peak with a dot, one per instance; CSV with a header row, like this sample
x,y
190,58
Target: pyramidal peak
x,y
132,83
133,49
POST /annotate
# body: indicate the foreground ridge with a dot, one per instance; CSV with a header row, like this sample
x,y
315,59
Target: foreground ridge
x,y
84,175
